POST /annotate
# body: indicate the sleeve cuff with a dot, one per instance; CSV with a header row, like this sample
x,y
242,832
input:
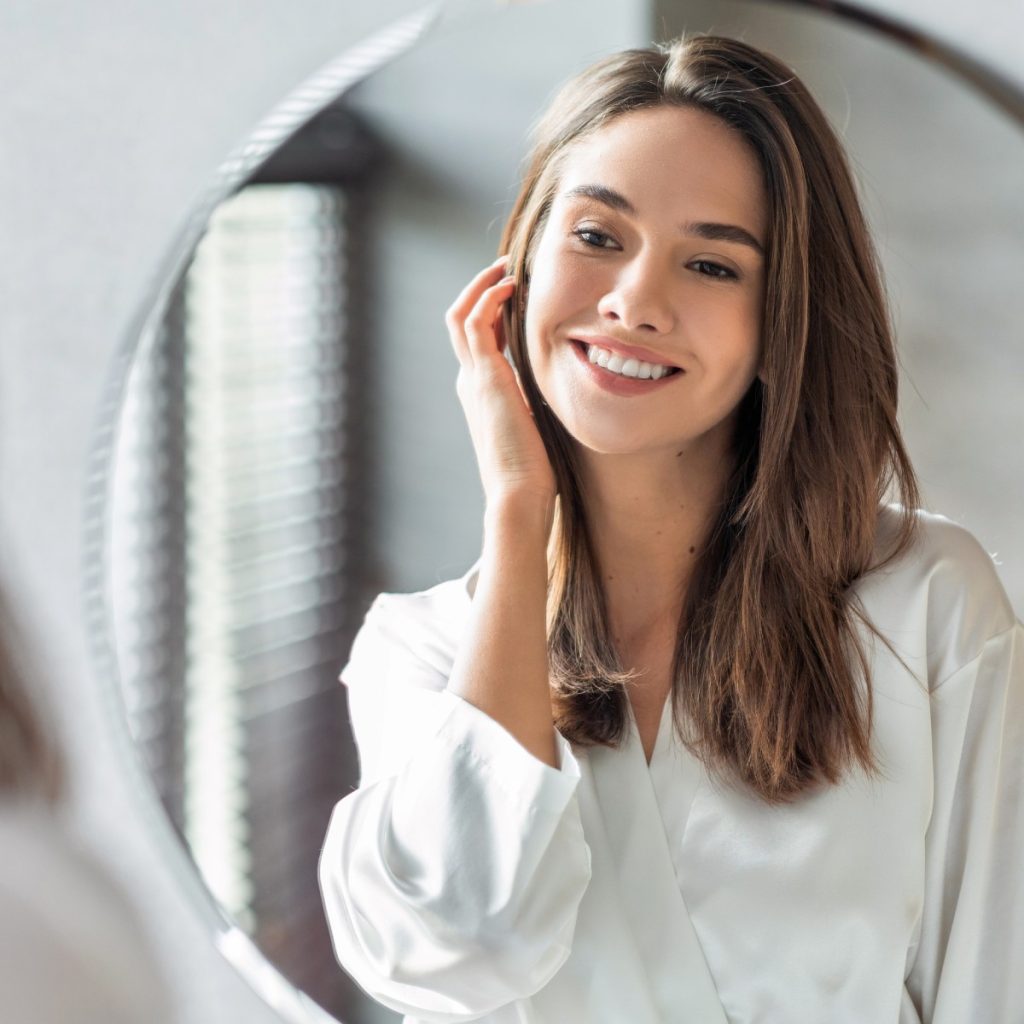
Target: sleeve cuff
x,y
521,776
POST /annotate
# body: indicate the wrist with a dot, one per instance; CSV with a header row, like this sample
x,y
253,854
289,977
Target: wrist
x,y
525,516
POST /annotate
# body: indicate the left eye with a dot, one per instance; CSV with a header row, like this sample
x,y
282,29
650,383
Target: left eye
x,y
716,270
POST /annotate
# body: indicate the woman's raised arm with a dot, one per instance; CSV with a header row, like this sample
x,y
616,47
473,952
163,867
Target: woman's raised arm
x,y
451,880
452,877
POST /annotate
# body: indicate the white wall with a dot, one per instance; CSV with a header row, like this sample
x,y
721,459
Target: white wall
x,y
112,119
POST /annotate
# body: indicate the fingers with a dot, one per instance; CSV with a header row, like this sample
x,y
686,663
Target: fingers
x,y
471,318
480,324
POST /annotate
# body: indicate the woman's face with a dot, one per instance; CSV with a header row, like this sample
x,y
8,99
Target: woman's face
x,y
629,254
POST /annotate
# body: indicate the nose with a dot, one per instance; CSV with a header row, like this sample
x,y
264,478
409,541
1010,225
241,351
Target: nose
x,y
639,298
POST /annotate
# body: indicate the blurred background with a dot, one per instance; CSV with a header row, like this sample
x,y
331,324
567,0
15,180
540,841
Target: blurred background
x,y
290,443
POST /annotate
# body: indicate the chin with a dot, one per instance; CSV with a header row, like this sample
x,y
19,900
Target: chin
x,y
608,442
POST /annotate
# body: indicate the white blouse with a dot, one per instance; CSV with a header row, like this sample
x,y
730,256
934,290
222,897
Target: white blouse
x,y
467,880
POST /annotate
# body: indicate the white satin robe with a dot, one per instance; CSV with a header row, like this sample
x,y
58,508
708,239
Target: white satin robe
x,y
467,880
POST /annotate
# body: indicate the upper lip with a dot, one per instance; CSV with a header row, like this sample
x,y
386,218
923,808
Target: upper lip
x,y
627,351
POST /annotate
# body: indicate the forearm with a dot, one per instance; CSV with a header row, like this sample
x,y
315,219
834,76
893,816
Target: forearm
x,y
502,665
453,887
452,881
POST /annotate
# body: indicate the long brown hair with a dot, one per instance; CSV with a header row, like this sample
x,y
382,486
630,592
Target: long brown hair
x,y
765,690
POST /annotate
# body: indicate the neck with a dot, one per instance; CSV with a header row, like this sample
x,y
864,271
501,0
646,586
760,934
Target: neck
x,y
649,516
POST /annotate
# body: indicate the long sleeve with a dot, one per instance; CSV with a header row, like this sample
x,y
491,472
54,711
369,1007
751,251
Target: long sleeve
x,y
969,964
452,876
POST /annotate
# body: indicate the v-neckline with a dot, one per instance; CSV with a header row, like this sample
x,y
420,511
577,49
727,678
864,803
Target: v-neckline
x,y
641,814
660,739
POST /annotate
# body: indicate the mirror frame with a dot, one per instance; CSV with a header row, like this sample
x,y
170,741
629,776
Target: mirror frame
x,y
288,117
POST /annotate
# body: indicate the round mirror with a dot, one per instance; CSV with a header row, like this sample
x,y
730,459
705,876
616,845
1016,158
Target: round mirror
x,y
288,439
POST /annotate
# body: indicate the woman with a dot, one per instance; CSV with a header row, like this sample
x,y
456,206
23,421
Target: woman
x,y
712,731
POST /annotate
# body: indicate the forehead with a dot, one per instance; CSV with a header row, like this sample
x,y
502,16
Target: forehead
x,y
672,156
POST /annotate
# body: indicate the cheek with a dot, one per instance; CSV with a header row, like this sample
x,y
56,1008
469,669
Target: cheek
x,y
561,286
726,339
727,326
543,269
742,312
546,293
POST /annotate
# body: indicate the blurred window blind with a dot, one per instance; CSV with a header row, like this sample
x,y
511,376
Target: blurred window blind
x,y
235,546
263,317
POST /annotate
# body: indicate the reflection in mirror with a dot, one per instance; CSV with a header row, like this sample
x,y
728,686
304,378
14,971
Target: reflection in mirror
x,y
290,441
236,530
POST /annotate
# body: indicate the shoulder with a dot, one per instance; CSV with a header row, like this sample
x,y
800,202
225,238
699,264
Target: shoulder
x,y
943,592
34,837
62,915
420,630
948,563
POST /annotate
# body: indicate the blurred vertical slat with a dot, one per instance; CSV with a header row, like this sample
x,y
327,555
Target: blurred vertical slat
x,y
238,522
266,403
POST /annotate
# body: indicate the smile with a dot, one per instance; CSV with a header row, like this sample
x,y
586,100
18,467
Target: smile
x,y
616,383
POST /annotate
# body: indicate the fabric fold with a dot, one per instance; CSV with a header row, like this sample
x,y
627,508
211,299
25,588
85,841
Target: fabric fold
x,y
452,887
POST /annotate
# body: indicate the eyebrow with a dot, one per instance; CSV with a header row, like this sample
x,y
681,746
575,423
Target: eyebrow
x,y
701,229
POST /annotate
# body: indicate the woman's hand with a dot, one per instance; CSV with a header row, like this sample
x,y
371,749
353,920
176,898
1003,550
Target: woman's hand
x,y
513,461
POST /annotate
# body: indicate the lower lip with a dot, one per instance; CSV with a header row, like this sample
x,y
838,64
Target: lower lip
x,y
616,383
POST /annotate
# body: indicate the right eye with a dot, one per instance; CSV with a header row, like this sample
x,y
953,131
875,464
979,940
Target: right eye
x,y
586,234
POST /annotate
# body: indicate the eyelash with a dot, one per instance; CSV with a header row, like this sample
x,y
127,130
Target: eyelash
x,y
580,232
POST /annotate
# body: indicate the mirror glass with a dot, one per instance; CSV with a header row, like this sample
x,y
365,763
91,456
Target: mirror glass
x,y
291,444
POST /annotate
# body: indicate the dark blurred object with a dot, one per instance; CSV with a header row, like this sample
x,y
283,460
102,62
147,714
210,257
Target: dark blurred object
x,y
30,760
336,147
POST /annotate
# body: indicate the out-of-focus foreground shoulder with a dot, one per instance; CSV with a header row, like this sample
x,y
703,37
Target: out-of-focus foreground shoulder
x,y
72,945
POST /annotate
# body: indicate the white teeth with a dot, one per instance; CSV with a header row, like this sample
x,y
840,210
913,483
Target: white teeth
x,y
625,367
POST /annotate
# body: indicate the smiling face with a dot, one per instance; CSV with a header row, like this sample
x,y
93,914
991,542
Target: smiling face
x,y
653,240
